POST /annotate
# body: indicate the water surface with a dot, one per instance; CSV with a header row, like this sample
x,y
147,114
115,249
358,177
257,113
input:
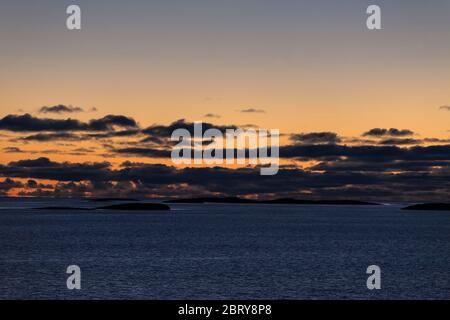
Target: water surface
x,y
201,251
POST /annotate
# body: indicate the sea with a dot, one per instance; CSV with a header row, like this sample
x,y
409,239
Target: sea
x,y
222,251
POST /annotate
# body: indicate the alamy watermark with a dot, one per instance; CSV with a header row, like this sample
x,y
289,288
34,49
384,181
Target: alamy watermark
x,y
228,147
74,280
374,20
73,21
374,280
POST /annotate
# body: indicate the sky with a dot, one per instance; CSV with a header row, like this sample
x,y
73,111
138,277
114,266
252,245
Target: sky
x,y
303,67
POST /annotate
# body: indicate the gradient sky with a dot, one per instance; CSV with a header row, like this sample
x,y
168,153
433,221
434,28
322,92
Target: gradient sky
x,y
313,66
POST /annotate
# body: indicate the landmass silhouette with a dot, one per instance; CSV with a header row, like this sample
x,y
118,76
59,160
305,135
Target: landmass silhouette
x,y
237,200
429,207
118,207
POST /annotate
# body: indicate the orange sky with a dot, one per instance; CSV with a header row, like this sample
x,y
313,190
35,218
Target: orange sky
x,y
311,67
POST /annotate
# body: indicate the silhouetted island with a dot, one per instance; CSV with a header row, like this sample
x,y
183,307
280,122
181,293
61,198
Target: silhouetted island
x,y
118,207
429,207
112,199
137,207
236,200
63,208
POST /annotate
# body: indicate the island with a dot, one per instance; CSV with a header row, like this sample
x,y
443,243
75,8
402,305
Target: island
x,y
237,200
117,207
112,199
429,207
63,208
137,207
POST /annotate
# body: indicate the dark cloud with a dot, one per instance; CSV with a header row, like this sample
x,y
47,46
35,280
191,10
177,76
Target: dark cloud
x,y
33,184
160,134
109,122
436,140
68,136
339,179
28,123
58,109
212,115
114,134
366,153
359,141
18,150
400,141
44,168
81,151
47,137
376,167
252,110
315,138
328,152
144,152
378,132
12,150
162,131
9,184
392,165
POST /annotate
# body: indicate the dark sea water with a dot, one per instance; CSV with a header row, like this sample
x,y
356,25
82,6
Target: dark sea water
x,y
223,252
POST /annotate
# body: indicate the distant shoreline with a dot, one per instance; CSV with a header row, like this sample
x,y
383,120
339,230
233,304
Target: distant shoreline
x,y
429,207
144,204
289,201
118,207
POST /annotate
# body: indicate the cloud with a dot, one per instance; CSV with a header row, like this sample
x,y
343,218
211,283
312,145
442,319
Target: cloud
x,y
44,168
378,132
160,134
144,152
390,164
47,137
58,109
399,141
359,141
315,138
68,136
447,108
252,110
12,150
33,184
212,115
114,134
436,140
82,151
28,123
338,179
18,150
331,152
109,122
7,185
163,131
